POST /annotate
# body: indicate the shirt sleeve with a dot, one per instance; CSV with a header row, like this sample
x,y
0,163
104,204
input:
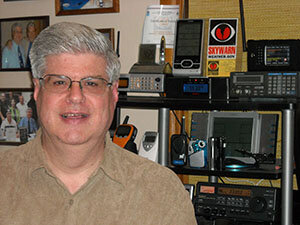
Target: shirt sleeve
x,y
5,59
181,209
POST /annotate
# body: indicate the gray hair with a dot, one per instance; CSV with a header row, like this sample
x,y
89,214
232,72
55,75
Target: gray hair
x,y
73,38
13,28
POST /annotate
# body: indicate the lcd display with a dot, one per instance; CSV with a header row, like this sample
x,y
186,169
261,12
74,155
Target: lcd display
x,y
123,131
234,191
277,55
188,39
195,88
123,82
150,139
237,132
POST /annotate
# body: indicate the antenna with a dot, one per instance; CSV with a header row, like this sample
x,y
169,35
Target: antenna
x,y
183,125
126,119
243,26
118,44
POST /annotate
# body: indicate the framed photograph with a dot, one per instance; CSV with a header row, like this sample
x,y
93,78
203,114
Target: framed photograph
x,y
76,7
18,116
16,37
110,34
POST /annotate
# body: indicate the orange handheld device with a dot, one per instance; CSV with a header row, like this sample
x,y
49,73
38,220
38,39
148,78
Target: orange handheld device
x,y
125,135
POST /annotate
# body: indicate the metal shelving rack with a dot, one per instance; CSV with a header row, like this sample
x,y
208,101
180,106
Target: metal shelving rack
x,y
287,107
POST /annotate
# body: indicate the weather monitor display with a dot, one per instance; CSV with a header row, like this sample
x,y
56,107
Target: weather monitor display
x,y
277,55
188,39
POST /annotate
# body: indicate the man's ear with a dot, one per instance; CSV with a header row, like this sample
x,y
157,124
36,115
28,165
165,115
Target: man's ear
x,y
37,87
115,92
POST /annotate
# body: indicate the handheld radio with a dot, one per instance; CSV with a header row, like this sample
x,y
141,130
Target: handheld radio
x,y
125,135
179,147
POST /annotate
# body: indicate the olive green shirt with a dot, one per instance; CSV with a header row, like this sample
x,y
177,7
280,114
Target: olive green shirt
x,y
125,190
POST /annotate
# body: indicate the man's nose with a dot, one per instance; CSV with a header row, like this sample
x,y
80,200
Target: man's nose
x,y
75,92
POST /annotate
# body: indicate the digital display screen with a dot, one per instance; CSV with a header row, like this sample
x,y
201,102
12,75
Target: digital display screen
x,y
249,79
150,138
195,88
234,191
123,131
207,189
237,132
277,55
189,35
123,82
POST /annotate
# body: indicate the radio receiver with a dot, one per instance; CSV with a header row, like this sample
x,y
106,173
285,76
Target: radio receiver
x,y
273,55
141,82
264,84
238,202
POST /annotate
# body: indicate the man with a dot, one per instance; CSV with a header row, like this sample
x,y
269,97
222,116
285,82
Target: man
x,y
9,126
28,122
31,103
13,57
72,173
22,106
15,113
3,106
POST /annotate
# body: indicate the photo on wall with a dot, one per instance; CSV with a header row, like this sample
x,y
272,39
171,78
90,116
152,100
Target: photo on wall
x,y
18,116
16,37
76,7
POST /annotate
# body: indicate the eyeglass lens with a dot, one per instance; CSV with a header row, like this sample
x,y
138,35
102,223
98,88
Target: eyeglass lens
x,y
58,83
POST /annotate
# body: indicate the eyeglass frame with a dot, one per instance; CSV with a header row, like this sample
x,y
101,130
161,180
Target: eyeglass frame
x,y
107,83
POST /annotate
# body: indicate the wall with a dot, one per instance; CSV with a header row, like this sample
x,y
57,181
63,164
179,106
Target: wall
x,y
268,19
129,21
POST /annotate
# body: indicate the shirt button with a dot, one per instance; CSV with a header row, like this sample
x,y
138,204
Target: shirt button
x,y
71,201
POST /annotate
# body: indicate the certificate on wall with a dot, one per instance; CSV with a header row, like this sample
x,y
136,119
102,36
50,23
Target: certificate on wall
x,y
160,20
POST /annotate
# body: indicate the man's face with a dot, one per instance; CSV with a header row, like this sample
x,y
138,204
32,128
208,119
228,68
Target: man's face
x,y
21,99
18,35
8,116
13,103
29,113
2,97
31,33
74,117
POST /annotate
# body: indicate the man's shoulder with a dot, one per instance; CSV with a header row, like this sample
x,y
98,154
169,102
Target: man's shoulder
x,y
134,166
13,160
6,51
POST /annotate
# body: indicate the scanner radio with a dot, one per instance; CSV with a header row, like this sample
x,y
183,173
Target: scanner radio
x,y
238,202
264,84
142,82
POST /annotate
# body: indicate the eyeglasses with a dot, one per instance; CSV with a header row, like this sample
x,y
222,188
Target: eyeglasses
x,y
60,83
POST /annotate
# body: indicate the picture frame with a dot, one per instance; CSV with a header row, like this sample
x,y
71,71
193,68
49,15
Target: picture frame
x,y
110,34
14,124
10,58
76,7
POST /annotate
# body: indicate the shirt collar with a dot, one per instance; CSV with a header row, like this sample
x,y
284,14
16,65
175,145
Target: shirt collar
x,y
36,156
110,165
112,161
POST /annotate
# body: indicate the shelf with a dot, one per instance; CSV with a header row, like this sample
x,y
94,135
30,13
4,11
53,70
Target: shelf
x,y
265,172
204,104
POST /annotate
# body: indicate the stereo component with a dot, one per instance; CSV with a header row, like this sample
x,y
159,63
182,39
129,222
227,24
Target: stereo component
x,y
142,82
239,202
210,88
264,84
